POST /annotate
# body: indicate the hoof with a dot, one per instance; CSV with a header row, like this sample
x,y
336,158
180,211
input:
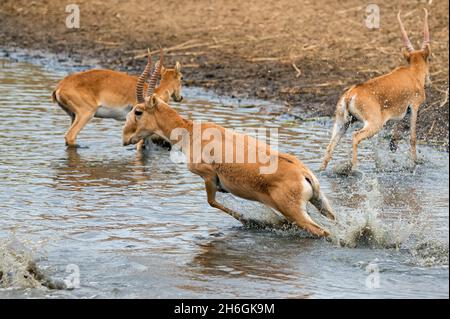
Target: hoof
x,y
344,169
73,146
418,161
393,146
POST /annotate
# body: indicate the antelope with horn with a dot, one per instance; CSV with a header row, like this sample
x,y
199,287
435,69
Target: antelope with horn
x,y
110,94
384,98
286,187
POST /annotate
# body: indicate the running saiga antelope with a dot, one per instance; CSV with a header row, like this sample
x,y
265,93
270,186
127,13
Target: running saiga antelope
x,y
287,189
109,94
388,97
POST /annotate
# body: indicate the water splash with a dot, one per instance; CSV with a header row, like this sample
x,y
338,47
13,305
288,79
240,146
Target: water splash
x,y
368,227
18,267
430,253
365,227
399,161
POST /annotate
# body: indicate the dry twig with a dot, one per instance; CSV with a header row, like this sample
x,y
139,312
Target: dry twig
x,y
435,103
432,127
445,99
299,72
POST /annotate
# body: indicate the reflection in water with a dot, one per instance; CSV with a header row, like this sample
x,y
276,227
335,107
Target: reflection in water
x,y
139,225
75,172
253,259
225,256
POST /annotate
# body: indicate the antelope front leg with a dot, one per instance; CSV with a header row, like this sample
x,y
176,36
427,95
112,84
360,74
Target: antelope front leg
x,y
211,190
140,146
413,134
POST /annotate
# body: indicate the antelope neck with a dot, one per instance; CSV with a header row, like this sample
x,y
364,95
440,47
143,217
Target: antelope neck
x,y
164,90
420,70
168,119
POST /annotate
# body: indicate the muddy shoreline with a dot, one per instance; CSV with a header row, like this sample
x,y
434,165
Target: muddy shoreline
x,y
253,50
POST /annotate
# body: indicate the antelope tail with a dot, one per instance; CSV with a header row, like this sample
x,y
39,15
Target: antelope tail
x,y
54,100
318,199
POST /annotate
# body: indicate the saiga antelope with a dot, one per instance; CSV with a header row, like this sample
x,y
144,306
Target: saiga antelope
x,y
108,94
287,189
384,98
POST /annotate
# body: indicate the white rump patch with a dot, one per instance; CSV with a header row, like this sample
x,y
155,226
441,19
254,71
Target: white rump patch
x,y
352,109
307,191
351,104
342,105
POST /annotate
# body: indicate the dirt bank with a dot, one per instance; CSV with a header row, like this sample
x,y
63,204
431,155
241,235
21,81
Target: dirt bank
x,y
302,53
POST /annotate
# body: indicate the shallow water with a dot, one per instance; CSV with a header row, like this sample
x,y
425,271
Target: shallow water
x,y
140,226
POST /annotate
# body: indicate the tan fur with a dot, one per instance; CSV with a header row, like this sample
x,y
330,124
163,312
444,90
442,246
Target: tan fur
x,y
381,99
287,190
106,94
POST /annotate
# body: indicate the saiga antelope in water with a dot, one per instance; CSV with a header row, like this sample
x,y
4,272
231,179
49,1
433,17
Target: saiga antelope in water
x,y
287,189
108,94
384,98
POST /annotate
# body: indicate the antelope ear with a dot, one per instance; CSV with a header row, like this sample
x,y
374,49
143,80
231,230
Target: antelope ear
x,y
178,67
426,51
163,69
151,102
406,54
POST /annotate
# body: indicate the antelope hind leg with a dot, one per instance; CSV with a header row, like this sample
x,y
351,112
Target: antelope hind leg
x,y
340,126
367,131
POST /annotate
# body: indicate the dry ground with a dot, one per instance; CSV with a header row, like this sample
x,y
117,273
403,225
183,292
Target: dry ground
x,y
246,48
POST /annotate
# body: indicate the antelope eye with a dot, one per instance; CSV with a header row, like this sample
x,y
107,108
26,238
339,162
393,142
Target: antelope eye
x,y
138,112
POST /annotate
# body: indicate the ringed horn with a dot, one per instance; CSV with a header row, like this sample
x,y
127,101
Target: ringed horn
x,y
426,33
155,74
142,78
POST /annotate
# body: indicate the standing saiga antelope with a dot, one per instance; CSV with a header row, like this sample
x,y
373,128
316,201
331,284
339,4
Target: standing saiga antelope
x,y
109,94
287,188
384,98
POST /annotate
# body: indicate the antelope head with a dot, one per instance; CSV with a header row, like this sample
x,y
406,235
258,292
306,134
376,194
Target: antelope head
x,y
417,57
141,121
171,78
